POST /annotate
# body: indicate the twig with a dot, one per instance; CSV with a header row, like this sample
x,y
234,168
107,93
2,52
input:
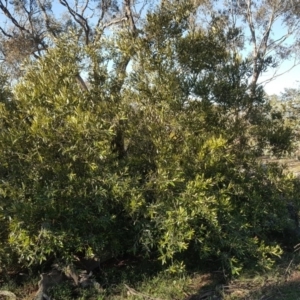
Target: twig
x,y
287,269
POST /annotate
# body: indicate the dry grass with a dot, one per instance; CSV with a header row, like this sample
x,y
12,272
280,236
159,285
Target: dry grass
x,y
292,164
282,283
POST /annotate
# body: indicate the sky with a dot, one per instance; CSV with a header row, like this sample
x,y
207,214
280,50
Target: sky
x,y
291,74
290,79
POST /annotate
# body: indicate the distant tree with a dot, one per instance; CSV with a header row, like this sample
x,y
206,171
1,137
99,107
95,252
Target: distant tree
x,y
288,103
269,28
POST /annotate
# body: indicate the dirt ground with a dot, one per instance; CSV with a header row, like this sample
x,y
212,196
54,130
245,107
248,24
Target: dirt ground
x,y
293,164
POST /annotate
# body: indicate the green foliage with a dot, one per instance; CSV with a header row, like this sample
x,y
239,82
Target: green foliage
x,y
60,185
161,160
285,110
62,291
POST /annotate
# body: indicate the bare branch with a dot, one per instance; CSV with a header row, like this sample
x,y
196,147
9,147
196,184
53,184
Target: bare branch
x,y
251,25
46,19
128,14
256,64
78,19
81,83
276,75
100,18
5,32
85,7
264,41
114,22
10,17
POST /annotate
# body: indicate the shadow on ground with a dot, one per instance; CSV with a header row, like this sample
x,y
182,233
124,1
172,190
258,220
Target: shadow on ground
x,y
276,287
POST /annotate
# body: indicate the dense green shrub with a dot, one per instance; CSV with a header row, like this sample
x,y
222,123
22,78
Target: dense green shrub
x,y
160,160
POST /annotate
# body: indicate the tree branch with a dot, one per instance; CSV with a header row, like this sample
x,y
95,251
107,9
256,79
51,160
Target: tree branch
x,y
81,83
128,14
47,19
13,20
113,22
78,19
275,75
5,32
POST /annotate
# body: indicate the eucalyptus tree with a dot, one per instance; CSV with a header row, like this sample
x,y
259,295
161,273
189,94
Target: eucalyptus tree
x,y
269,33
